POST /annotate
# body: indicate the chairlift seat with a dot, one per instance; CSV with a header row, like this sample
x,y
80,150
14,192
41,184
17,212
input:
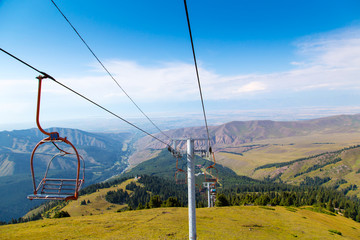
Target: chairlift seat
x,y
180,177
210,179
50,197
57,189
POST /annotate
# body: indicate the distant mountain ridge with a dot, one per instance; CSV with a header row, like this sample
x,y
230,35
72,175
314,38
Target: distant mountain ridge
x,y
105,155
239,132
16,146
247,147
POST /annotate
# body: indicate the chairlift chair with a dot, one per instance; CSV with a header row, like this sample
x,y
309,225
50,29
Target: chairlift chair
x,y
180,174
55,188
202,190
180,177
211,173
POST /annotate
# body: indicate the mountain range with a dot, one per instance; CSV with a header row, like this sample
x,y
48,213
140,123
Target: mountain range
x,y
246,147
326,148
236,133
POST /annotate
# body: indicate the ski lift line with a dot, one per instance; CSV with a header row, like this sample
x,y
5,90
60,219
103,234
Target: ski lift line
x,y
89,100
108,72
37,70
197,72
112,113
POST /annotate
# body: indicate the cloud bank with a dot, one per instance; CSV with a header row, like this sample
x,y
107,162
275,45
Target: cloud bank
x,y
328,61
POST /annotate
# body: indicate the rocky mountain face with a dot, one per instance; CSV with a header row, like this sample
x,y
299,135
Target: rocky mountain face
x,y
109,154
16,147
105,155
240,132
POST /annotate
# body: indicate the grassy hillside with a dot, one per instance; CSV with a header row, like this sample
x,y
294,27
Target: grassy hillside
x,y
248,222
340,168
164,165
95,203
244,159
98,204
245,146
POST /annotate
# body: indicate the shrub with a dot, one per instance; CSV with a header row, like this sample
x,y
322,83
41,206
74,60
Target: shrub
x,y
155,201
61,214
172,202
335,231
221,201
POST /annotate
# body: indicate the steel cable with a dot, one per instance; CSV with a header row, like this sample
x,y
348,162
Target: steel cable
x,y
197,74
108,72
91,101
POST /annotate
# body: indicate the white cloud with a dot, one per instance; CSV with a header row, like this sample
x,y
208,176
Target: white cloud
x,y
252,87
297,63
330,61
335,49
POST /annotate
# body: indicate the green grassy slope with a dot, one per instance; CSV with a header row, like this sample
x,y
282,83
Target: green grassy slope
x,y
172,223
281,150
164,165
341,169
246,159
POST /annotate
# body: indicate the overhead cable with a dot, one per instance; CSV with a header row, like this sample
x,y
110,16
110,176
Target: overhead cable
x,y
108,72
197,73
91,101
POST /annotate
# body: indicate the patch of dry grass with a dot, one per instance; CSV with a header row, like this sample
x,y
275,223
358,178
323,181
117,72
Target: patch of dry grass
x,y
249,222
284,150
98,204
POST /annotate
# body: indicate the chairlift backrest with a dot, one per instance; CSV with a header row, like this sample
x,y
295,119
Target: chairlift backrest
x,y
211,173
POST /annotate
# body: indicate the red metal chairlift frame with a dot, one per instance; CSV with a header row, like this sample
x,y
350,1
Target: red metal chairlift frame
x,y
179,170
212,178
40,192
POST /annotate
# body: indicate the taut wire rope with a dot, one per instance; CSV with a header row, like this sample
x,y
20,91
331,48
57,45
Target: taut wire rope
x,y
108,72
197,74
82,96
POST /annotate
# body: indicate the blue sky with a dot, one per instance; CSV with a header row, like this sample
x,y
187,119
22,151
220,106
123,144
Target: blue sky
x,y
280,60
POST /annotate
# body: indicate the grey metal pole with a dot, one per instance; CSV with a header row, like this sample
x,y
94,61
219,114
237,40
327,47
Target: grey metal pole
x,y
174,145
208,192
191,189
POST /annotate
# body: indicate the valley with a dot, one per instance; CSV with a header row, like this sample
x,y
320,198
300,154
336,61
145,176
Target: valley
x,y
247,148
261,210
282,150
180,120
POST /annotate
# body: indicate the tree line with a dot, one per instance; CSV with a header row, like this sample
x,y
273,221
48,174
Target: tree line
x,y
275,194
161,192
156,191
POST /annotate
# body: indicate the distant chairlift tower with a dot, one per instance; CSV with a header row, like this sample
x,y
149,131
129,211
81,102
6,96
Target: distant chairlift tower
x,y
211,192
